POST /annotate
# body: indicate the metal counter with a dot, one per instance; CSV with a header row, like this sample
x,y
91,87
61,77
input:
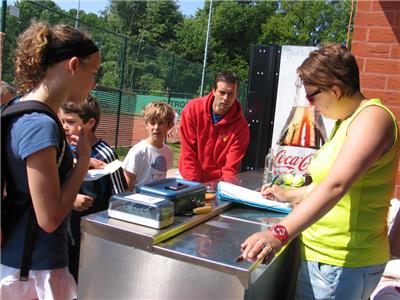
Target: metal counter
x,y
191,259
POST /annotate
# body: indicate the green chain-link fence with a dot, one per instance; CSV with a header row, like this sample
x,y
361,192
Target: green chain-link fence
x,y
132,73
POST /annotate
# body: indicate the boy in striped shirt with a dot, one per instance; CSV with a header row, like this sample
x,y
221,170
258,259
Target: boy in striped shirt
x,y
93,195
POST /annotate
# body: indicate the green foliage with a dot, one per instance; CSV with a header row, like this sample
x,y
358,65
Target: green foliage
x,y
164,51
235,26
307,23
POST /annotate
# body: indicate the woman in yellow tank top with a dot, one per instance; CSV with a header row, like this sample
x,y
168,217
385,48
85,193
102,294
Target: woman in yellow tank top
x,y
341,217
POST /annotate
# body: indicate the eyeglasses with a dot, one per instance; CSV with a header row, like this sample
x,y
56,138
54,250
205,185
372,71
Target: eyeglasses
x,y
311,97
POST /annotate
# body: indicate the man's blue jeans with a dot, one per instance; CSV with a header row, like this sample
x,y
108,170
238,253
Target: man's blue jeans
x,y
322,281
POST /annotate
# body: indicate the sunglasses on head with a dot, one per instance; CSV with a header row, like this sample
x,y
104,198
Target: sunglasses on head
x,y
311,97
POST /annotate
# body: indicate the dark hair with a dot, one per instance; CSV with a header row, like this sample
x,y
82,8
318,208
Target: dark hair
x,y
86,110
226,76
331,65
158,111
41,46
6,88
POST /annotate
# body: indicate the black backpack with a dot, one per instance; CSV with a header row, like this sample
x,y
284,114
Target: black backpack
x,y
9,213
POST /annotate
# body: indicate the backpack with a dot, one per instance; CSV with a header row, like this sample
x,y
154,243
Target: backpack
x,y
9,213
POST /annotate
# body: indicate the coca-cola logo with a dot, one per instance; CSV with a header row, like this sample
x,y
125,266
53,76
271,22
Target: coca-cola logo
x,y
292,162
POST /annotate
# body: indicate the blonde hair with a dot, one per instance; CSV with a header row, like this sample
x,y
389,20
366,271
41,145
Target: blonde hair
x,y
41,46
158,111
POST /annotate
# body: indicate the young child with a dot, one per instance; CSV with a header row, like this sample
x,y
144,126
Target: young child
x,y
93,195
150,159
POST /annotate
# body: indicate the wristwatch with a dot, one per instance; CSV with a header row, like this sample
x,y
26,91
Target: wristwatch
x,y
280,232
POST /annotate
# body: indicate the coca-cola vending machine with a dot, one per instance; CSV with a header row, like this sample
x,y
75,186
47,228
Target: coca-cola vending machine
x,y
299,129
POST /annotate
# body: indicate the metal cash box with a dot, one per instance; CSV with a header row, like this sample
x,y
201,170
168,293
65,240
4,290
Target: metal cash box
x,y
141,209
185,194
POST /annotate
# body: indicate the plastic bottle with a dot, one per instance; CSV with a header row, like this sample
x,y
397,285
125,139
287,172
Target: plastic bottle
x,y
268,167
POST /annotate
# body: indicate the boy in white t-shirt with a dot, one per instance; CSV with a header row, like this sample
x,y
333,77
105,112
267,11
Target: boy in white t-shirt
x,y
150,159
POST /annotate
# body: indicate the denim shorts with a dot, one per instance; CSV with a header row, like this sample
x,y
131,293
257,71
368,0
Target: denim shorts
x,y
322,281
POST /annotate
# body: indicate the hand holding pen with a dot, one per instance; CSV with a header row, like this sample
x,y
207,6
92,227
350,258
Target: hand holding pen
x,y
273,192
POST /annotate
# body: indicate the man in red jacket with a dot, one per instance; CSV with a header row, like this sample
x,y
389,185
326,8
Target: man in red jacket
x,y
214,133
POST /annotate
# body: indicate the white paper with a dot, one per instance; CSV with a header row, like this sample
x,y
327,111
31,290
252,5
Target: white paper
x,y
247,195
144,198
95,174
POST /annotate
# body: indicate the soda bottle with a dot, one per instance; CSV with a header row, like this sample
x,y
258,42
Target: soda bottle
x,y
304,126
303,133
268,167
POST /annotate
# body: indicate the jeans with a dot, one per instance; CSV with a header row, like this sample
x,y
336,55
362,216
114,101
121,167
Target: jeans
x,y
322,281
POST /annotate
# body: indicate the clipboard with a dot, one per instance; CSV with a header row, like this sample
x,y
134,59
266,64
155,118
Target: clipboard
x,y
235,193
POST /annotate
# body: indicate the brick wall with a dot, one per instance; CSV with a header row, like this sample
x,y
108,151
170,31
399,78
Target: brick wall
x,y
376,46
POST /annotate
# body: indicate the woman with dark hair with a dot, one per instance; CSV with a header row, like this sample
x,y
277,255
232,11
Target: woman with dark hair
x,y
53,65
341,217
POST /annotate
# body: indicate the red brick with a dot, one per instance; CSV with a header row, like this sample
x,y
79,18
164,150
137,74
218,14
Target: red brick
x,y
387,97
364,5
382,66
372,81
385,5
393,83
370,49
383,35
360,63
375,18
397,19
396,191
360,33
396,111
395,52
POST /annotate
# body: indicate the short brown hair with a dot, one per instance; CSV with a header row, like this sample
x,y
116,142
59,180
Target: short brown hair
x,y
158,111
331,65
226,76
6,88
86,110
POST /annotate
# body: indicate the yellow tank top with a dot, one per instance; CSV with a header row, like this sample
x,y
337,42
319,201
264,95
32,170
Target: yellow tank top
x,y
354,232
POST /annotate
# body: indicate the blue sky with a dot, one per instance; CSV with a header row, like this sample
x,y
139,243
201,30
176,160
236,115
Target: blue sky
x,y
187,7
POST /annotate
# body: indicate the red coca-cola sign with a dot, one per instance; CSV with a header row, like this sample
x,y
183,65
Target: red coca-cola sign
x,y
295,160
291,161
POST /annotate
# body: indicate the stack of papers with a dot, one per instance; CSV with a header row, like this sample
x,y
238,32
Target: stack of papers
x,y
231,192
95,174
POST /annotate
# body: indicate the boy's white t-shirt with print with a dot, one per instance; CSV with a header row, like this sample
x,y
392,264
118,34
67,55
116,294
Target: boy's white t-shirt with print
x,y
147,162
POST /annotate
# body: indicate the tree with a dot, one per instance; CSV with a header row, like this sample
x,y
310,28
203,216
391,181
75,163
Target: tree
x,y
307,23
165,48
161,22
235,26
14,26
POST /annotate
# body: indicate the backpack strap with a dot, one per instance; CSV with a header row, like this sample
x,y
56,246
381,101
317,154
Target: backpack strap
x,y
28,245
30,106
20,108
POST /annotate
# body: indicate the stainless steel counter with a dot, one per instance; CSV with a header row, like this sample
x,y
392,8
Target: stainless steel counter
x,y
193,258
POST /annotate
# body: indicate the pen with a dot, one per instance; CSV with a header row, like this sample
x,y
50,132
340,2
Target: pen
x,y
273,180
239,258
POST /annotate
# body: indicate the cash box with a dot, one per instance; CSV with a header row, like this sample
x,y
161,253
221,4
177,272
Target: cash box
x,y
141,209
185,194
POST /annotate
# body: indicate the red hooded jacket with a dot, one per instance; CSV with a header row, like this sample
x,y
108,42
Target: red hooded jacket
x,y
211,151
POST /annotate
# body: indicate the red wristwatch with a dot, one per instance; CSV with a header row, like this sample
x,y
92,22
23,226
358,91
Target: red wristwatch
x,y
280,232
